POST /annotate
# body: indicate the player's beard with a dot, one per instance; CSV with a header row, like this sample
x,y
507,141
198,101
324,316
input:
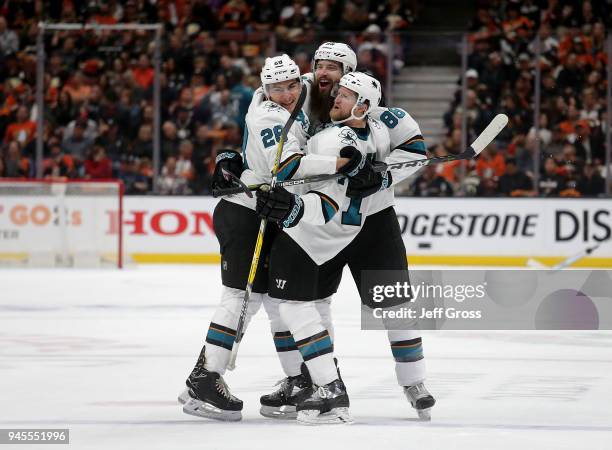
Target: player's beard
x,y
320,104
337,115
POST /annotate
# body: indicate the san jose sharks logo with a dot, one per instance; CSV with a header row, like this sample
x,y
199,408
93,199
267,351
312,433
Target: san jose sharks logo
x,y
270,106
348,136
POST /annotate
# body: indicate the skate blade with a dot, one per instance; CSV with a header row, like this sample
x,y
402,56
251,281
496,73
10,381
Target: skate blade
x,y
337,416
184,396
199,408
424,414
286,412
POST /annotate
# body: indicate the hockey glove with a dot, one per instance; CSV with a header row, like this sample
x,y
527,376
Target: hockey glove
x,y
368,182
279,205
355,164
231,161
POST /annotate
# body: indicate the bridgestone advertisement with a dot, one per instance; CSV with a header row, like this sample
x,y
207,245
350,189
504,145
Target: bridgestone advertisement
x,y
475,232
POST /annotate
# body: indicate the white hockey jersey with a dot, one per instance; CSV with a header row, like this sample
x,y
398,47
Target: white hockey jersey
x,y
343,216
406,144
264,123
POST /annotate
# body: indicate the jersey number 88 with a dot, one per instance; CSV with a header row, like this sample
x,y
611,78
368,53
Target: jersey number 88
x,y
391,116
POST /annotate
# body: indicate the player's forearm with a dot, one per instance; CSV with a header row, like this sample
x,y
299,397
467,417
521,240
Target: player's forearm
x,y
316,165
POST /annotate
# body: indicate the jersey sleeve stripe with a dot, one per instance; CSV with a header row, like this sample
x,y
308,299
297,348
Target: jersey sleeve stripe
x,y
415,144
328,206
288,167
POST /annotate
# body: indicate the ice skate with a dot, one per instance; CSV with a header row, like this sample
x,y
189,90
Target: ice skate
x,y
420,399
281,404
326,405
210,397
199,367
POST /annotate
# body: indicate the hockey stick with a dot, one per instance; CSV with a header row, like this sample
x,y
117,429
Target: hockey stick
x,y
575,258
489,133
535,264
260,235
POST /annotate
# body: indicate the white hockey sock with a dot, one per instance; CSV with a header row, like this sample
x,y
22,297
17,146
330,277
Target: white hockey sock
x,y
222,330
311,338
324,308
407,349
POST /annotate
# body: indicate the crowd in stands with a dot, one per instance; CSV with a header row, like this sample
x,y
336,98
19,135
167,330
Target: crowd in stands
x,y
98,85
501,79
98,88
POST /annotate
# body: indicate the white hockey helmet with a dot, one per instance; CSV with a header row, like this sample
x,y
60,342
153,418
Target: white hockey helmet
x,y
277,69
339,52
366,87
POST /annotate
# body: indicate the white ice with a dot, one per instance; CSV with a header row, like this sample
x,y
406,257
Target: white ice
x,y
105,353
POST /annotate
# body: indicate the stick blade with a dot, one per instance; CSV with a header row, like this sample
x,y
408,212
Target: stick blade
x,y
490,132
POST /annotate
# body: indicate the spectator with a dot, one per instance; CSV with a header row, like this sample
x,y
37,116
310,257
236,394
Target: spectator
x,y
9,42
264,15
184,165
169,141
77,88
514,183
430,184
143,73
395,14
240,98
23,129
491,162
91,128
143,145
322,19
114,143
570,78
58,165
171,182
203,160
98,165
134,181
16,165
589,146
62,111
551,182
235,15
591,184
353,17
222,108
77,144
590,106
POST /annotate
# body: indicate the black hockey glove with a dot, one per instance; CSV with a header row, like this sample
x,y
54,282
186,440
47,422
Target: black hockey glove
x,y
279,205
356,162
231,161
368,182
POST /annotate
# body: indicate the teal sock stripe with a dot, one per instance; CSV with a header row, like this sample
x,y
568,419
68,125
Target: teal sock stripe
x,y
317,345
221,336
407,351
284,342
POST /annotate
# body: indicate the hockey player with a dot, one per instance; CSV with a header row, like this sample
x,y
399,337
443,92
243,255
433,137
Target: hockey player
x,y
236,226
304,262
330,62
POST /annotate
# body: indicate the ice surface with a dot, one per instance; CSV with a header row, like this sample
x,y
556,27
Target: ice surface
x,y
105,353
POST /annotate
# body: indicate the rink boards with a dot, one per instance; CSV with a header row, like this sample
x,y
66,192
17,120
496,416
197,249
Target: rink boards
x,y
456,231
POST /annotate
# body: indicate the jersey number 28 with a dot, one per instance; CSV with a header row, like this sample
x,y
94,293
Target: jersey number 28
x,y
271,136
